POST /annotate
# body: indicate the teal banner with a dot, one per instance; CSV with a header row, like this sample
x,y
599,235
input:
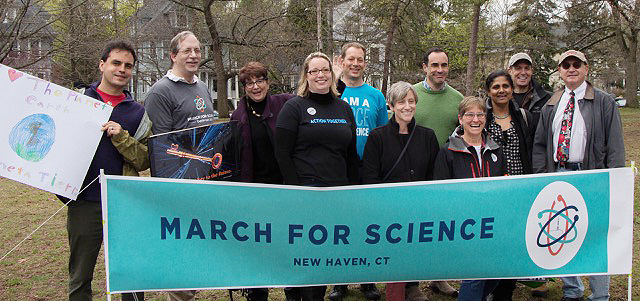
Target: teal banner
x,y
166,234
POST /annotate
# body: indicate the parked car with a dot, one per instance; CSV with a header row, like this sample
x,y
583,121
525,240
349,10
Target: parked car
x,y
621,101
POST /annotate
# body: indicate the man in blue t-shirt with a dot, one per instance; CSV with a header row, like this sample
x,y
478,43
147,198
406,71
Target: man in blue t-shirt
x,y
368,104
370,111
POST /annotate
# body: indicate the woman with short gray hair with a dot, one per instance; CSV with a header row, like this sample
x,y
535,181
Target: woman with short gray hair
x,y
400,151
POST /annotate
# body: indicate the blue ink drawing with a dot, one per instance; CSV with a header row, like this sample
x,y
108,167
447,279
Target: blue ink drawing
x,y
33,137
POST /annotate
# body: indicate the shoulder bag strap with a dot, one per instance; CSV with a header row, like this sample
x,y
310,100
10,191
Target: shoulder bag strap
x,y
401,154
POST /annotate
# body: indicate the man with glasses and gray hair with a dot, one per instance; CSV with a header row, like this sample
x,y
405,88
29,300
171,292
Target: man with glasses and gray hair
x,y
579,129
180,101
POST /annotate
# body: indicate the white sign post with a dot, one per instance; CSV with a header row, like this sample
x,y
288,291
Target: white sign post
x,y
48,133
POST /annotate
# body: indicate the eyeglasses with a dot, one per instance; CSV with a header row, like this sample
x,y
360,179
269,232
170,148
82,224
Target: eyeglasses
x,y
315,72
567,65
189,50
472,115
257,83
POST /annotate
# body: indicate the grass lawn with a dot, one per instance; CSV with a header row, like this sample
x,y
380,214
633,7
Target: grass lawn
x,y
37,270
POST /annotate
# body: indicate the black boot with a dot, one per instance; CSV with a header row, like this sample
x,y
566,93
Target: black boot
x,y
370,291
338,292
292,293
258,294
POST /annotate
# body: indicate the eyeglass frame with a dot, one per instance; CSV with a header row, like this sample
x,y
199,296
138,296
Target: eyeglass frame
x,y
315,72
480,116
576,64
257,82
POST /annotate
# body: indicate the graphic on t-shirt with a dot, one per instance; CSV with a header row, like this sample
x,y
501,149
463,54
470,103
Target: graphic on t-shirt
x,y
200,104
361,112
33,136
328,120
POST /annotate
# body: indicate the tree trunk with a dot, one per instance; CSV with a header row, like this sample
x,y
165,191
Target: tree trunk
x,y
388,47
471,66
319,23
330,42
627,37
631,72
115,17
217,57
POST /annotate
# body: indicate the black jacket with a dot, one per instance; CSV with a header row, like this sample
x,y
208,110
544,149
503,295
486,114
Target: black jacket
x,y
273,106
385,144
535,99
525,129
457,160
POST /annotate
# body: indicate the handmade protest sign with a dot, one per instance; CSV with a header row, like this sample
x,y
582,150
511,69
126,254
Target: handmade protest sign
x,y
200,234
48,133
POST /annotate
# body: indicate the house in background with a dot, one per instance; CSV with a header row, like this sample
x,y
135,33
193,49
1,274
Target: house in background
x,y
26,40
156,22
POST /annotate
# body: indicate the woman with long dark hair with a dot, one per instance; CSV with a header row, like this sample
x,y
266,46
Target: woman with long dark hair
x,y
509,126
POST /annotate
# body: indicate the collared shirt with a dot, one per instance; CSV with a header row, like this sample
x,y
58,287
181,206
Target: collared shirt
x,y
176,78
578,129
426,86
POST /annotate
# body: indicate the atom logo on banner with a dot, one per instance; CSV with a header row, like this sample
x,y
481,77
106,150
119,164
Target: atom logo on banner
x,y
556,225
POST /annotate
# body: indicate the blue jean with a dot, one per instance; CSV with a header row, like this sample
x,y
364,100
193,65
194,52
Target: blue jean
x,y
476,290
599,285
573,287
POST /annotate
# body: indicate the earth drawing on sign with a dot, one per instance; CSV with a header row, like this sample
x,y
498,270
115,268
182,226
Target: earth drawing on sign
x,y
33,136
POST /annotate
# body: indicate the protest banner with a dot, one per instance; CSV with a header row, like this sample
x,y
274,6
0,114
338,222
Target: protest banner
x,y
208,152
165,234
48,133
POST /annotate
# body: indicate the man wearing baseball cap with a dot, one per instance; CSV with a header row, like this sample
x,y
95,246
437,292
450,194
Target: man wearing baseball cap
x,y
527,93
579,129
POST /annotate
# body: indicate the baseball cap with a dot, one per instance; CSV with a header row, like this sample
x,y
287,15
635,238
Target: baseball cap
x,y
574,53
519,56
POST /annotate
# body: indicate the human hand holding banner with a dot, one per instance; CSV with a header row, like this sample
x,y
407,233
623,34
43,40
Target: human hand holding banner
x,y
48,133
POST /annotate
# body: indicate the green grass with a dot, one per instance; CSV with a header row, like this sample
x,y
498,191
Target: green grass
x,y
37,270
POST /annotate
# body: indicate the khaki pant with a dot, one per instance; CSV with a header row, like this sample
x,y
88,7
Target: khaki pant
x,y
182,296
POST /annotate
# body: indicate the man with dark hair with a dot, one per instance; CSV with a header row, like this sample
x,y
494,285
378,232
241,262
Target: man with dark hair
x,y
180,101
579,129
526,92
437,106
437,109
122,151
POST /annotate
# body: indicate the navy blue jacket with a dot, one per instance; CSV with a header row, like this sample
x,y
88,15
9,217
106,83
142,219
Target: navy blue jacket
x,y
128,114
